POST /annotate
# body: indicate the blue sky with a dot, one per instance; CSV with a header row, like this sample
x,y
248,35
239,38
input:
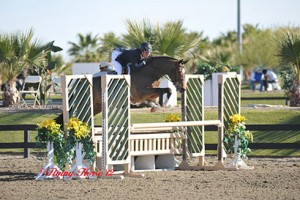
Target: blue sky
x,y
62,20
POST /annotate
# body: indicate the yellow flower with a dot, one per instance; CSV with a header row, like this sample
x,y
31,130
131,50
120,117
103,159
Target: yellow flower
x,y
236,118
80,129
48,130
172,118
50,125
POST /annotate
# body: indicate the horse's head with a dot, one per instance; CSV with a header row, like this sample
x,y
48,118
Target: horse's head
x,y
179,74
172,67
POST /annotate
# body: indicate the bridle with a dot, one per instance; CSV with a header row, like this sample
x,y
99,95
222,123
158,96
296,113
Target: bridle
x,y
179,70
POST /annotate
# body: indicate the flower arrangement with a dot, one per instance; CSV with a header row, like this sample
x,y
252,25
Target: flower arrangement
x,y
237,128
64,147
79,131
49,131
172,118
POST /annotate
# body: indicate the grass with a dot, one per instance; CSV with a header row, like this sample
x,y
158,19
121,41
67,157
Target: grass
x,y
253,116
246,92
24,118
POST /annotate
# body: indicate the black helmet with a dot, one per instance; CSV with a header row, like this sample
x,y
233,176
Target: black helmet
x,y
145,46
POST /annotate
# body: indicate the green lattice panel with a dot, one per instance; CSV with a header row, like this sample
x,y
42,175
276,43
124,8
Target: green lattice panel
x,y
194,112
115,119
79,99
118,119
231,99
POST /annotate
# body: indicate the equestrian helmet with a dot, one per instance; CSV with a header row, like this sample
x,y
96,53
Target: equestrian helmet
x,y
145,46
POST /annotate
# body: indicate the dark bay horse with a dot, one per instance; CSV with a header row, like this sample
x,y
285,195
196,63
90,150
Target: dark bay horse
x,y
142,81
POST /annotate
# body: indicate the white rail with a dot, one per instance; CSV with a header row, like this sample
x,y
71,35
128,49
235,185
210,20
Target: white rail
x,y
149,144
175,124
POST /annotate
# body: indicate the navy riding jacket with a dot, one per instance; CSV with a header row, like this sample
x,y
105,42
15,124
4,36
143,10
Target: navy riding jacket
x,y
132,57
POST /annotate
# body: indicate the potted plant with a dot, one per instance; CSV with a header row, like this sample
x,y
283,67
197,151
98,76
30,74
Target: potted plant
x,y
49,131
79,143
236,141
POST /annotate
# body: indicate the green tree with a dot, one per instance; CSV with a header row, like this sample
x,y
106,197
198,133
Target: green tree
x,y
288,44
218,53
86,48
138,32
216,56
258,48
61,66
18,52
108,42
173,40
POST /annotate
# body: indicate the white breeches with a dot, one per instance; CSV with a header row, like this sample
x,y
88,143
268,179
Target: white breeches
x,y
116,64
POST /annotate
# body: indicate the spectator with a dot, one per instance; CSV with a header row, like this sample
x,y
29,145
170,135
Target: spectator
x,y
256,77
105,68
269,77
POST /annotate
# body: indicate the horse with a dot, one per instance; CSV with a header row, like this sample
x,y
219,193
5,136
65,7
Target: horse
x,y
142,81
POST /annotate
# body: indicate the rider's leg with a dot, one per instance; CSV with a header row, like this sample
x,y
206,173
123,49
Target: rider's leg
x,y
116,64
118,67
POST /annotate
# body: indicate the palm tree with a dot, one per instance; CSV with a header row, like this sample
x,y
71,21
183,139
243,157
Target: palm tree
x,y
227,40
289,54
109,41
173,40
138,33
216,56
85,50
18,52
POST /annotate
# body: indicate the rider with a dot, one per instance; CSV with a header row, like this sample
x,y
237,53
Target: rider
x,y
132,59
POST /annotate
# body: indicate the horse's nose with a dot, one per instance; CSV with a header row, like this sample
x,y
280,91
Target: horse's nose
x,y
182,90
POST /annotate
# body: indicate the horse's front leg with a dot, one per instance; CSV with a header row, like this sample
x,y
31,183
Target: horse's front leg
x,y
163,91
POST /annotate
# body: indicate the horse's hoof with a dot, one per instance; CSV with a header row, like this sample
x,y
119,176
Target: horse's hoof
x,y
154,109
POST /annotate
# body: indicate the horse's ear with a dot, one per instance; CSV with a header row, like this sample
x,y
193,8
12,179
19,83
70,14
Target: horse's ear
x,y
183,61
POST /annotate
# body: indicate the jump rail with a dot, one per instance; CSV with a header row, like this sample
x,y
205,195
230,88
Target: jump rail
x,y
176,124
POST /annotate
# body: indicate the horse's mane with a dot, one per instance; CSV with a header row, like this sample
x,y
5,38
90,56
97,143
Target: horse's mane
x,y
152,58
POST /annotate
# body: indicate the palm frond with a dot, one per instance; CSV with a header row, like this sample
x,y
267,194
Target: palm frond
x,y
18,50
288,44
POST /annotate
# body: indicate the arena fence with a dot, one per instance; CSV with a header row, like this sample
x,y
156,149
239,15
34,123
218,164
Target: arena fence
x,y
28,129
